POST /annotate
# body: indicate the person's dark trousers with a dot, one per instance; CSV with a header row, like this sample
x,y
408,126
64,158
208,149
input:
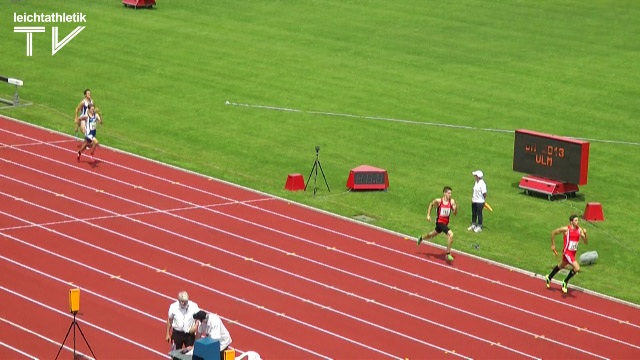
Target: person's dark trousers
x,y
182,339
476,213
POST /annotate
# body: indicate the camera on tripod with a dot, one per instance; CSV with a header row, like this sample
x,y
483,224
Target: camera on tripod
x,y
315,167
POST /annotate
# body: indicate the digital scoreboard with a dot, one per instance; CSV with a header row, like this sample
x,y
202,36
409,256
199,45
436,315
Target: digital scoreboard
x,y
366,177
551,157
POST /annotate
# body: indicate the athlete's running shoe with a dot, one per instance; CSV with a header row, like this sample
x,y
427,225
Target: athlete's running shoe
x,y
79,154
546,278
419,240
449,257
564,287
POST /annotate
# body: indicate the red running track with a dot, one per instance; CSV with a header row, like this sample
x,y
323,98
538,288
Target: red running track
x,y
290,282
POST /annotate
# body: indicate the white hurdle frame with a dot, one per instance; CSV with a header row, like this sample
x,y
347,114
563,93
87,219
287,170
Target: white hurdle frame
x,y
16,98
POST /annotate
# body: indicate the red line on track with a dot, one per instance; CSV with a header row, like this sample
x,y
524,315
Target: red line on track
x,y
343,289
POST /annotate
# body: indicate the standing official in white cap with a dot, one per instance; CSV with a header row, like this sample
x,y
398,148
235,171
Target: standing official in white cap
x,y
478,199
181,321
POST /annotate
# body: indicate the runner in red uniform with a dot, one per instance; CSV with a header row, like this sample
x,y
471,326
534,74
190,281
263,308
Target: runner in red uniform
x,y
445,206
572,235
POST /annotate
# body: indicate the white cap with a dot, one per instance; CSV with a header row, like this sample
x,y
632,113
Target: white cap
x,y
478,173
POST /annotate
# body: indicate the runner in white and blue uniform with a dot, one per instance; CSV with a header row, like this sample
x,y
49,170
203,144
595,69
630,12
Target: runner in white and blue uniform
x,y
91,124
82,109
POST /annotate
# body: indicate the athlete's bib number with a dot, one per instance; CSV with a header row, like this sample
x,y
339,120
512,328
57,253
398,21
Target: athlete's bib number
x,y
92,126
445,212
573,246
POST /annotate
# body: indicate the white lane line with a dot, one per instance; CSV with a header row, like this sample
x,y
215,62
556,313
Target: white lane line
x,y
411,122
141,213
38,142
43,338
18,350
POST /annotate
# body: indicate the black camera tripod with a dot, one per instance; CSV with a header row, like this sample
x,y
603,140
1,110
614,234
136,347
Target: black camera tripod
x,y
315,167
74,325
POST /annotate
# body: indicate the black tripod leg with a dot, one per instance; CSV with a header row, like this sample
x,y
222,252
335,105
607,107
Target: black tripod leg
x,y
65,339
85,340
324,177
309,178
315,178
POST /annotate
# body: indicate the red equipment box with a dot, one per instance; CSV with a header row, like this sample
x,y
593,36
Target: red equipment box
x,y
295,182
139,3
593,212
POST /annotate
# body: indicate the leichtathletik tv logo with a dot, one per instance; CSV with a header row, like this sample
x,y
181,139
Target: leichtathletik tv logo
x,y
56,44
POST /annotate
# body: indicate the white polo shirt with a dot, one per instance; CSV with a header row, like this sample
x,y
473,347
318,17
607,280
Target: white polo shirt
x,y
479,189
183,318
213,327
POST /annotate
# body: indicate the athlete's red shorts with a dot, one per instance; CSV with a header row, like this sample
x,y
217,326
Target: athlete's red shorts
x,y
569,256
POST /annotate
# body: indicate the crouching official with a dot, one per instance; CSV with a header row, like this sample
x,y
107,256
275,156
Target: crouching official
x,y
210,325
